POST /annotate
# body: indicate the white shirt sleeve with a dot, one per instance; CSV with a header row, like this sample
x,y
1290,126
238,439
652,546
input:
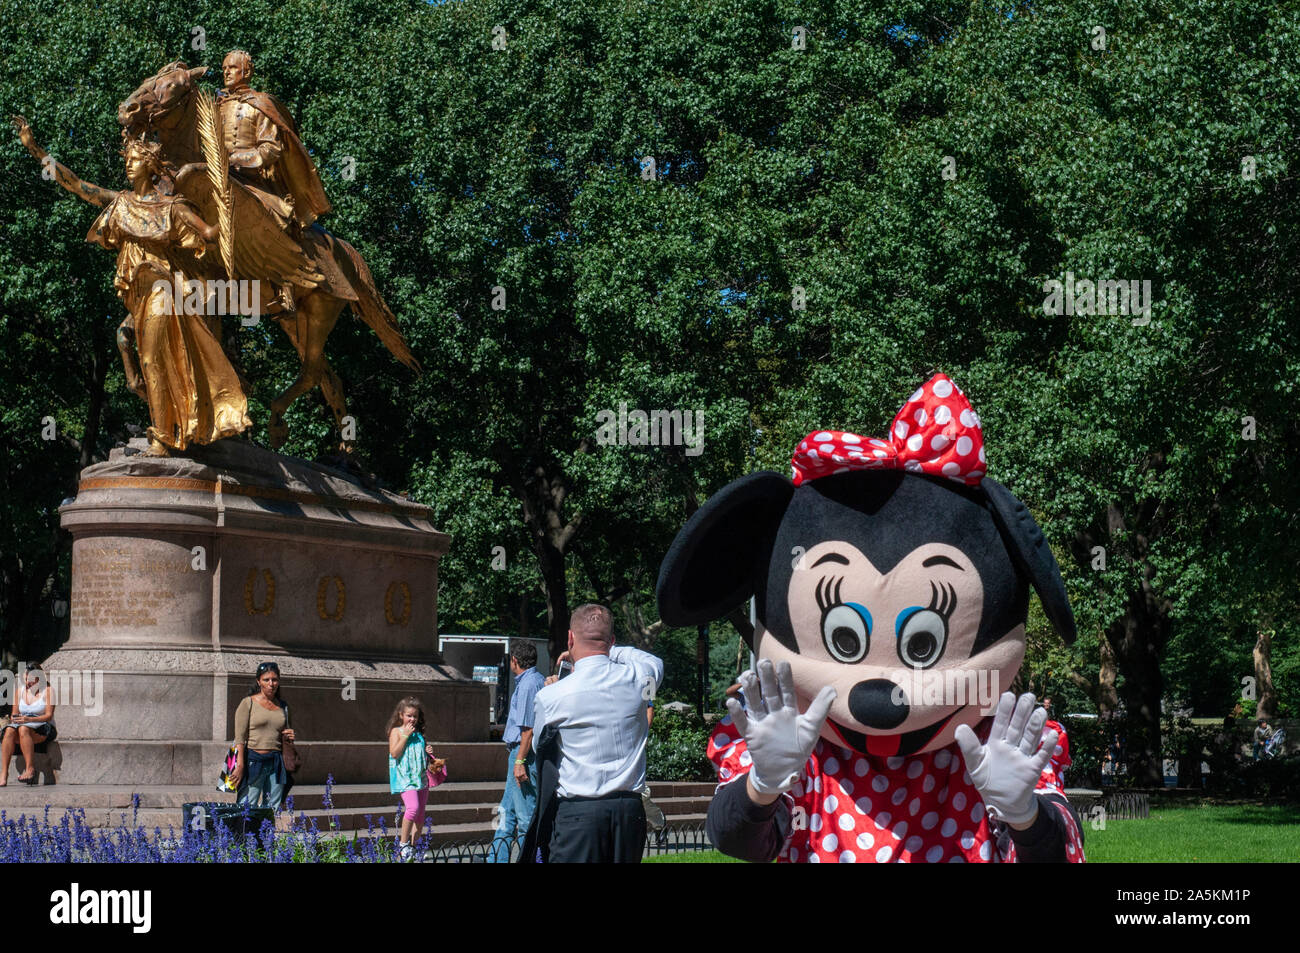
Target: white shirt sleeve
x,y
648,667
541,715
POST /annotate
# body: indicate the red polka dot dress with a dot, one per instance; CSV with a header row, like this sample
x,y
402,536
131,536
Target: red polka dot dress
x,y
1061,755
853,808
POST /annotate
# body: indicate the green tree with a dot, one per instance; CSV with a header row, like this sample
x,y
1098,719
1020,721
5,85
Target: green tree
x,y
824,226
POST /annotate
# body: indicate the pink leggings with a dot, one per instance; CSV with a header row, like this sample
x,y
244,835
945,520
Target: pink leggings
x,y
413,803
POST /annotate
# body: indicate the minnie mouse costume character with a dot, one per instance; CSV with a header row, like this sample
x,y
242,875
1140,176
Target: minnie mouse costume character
x,y
891,582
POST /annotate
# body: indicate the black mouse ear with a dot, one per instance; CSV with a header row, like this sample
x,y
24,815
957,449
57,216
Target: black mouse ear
x,y
1032,555
714,563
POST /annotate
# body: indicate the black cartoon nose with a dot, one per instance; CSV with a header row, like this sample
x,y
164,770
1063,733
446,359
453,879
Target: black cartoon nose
x,y
878,703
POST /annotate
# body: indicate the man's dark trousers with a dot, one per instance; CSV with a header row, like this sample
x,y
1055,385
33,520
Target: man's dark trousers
x,y
599,830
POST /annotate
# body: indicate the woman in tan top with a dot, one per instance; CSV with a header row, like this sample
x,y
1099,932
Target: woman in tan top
x,y
261,731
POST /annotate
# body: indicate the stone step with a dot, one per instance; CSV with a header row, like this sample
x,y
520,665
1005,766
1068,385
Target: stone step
x,y
682,789
187,762
450,822
446,834
180,762
306,796
462,807
480,817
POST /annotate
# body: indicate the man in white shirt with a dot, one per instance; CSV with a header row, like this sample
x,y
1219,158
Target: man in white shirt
x,y
599,713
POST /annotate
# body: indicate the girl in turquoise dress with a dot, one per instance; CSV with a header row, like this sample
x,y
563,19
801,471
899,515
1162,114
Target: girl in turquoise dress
x,y
408,765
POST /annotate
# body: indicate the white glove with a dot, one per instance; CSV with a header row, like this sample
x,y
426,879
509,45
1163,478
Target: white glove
x,y
778,738
1006,770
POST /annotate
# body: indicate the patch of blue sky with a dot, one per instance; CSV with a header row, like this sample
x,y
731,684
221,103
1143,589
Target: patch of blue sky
x,y
902,33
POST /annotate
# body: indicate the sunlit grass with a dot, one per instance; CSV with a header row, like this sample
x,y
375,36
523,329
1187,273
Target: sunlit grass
x,y
1238,833
692,857
1244,833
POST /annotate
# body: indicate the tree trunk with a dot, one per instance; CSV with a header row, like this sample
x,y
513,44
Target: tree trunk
x,y
1138,639
90,434
1107,698
542,493
1134,644
36,631
1189,764
13,601
1267,707
551,563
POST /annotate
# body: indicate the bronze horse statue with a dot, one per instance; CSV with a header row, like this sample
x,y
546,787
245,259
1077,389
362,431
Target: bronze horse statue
x,y
325,272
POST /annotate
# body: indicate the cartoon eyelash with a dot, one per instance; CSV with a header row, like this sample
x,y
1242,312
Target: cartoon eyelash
x,y
943,599
830,596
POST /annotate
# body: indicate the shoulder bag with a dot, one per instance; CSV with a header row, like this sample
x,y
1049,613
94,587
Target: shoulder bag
x,y
226,784
291,755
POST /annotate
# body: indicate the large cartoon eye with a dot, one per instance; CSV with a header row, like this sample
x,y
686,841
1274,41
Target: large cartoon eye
x,y
922,633
846,626
921,638
846,630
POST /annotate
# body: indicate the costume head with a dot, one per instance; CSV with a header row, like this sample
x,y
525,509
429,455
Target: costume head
x,y
893,570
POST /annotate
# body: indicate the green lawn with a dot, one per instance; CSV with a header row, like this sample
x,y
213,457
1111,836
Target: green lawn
x,y
692,857
1235,833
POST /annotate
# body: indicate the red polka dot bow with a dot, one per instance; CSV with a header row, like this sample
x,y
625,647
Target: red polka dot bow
x,y
936,432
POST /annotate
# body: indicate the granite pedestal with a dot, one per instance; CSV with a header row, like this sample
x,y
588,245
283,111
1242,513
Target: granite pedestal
x,y
188,571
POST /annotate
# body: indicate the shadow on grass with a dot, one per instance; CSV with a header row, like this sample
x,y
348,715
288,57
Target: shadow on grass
x,y
1283,815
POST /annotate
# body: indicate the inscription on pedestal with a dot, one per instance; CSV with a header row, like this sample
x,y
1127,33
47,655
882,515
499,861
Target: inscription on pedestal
x,y
115,586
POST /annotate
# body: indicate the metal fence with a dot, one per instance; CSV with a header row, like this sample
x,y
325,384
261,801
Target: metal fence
x,y
676,839
1115,806
1128,806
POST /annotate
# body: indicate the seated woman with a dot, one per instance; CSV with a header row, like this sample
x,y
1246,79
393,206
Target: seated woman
x,y
31,725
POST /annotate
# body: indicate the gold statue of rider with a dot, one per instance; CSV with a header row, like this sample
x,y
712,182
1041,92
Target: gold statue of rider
x,y
266,156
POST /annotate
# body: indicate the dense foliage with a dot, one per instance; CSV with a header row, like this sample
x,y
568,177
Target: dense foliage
x,y
676,748
916,173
